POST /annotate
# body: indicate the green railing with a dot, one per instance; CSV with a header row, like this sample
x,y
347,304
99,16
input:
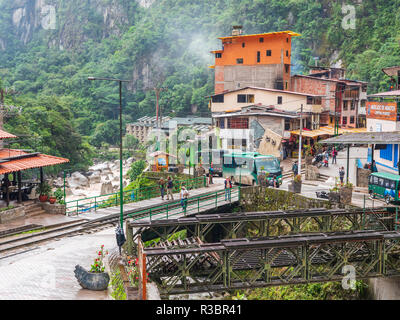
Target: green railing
x,y
195,205
130,196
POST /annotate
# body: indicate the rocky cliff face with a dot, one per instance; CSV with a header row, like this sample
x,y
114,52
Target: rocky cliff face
x,y
67,24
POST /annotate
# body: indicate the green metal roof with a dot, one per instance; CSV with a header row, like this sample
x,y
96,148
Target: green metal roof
x,y
386,175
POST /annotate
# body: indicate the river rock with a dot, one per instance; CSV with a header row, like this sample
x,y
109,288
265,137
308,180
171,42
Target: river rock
x,y
95,177
78,180
106,188
100,167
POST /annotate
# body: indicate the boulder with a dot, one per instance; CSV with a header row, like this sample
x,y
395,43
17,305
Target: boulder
x,y
78,180
106,188
95,177
100,167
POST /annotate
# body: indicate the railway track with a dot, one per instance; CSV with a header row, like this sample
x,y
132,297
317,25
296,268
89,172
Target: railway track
x,y
15,239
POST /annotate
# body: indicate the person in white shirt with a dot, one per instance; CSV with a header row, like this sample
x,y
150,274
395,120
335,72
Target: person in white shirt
x,y
184,197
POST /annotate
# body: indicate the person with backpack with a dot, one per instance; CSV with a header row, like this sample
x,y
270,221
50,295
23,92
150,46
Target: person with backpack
x,y
228,187
334,154
295,168
211,173
184,198
161,183
341,175
170,187
326,160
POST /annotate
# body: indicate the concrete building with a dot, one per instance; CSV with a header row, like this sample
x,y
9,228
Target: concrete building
x,y
343,98
260,60
263,120
142,128
383,116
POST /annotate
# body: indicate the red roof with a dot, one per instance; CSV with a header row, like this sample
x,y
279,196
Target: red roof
x,y
36,161
6,135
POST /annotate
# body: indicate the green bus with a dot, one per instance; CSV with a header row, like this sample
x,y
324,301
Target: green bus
x,y
244,167
384,185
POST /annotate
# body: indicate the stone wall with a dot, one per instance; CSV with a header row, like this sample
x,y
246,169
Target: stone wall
x,y
12,214
53,208
362,177
268,199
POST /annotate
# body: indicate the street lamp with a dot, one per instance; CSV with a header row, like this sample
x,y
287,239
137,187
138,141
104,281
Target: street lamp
x,y
121,186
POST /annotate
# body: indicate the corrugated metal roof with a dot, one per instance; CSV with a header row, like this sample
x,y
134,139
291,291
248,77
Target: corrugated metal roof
x,y
366,138
38,161
395,93
6,135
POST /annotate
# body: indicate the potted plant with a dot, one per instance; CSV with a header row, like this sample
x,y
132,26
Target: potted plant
x,y
334,195
95,279
59,195
44,190
346,193
295,185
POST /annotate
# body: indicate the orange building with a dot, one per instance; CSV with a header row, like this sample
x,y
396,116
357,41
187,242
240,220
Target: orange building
x,y
257,60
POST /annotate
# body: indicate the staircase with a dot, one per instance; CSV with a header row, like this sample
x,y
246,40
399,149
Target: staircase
x,y
33,209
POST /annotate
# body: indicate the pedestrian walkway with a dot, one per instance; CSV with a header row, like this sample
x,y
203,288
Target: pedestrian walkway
x,y
44,220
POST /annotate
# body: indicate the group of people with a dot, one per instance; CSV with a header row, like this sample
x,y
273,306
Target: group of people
x,y
167,187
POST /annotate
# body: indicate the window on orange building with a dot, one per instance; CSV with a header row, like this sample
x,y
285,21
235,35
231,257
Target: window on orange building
x,y
243,44
261,39
269,53
287,68
218,55
287,53
239,61
258,56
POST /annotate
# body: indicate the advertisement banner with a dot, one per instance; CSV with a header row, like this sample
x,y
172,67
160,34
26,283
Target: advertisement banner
x,y
382,110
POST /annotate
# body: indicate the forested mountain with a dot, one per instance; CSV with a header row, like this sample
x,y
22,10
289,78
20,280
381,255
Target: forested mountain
x,y
48,48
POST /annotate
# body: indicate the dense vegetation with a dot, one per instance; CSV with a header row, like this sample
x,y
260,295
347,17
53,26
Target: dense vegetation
x,y
165,45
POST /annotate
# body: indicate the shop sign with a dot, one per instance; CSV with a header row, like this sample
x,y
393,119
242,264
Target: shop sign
x,y
382,110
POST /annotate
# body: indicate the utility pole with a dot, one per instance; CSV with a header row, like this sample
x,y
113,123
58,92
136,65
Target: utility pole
x,y
158,111
301,131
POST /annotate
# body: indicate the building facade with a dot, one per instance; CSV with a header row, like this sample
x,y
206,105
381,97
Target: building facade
x,y
261,119
343,99
260,60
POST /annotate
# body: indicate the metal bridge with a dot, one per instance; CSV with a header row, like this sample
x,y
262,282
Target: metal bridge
x,y
312,246
248,264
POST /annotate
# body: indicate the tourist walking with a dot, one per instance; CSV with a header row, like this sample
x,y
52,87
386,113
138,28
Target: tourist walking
x,y
373,167
161,183
184,198
228,187
210,174
295,169
341,175
326,160
170,187
334,154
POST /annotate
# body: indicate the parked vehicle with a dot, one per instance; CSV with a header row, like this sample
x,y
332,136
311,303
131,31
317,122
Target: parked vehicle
x,y
384,185
212,156
244,167
318,160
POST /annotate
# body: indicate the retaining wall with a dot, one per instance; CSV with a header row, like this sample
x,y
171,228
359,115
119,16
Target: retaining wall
x,y
12,214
